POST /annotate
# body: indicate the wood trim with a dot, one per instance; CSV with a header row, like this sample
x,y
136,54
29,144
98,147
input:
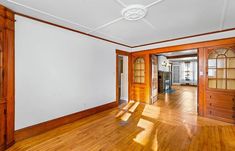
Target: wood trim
x,y
48,125
195,45
174,39
182,56
8,49
67,28
121,52
180,38
70,29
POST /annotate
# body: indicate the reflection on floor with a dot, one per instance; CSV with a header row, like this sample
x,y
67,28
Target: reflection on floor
x,y
138,126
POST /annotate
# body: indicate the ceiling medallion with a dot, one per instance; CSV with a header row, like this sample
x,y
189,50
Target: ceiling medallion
x,y
134,12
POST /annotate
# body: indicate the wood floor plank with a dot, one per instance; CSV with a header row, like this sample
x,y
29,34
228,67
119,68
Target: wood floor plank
x,y
171,124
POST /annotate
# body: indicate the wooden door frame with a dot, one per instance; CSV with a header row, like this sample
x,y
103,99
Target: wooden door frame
x,y
8,26
201,62
123,53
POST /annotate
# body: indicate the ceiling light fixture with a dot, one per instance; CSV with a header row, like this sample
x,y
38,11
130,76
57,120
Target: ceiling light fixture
x,y
134,12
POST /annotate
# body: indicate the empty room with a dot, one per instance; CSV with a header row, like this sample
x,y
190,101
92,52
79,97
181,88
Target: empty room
x,y
117,75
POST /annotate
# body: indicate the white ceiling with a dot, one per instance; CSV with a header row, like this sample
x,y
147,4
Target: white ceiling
x,y
165,20
182,59
180,53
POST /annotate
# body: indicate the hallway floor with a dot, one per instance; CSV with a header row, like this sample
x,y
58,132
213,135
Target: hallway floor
x,y
170,124
183,99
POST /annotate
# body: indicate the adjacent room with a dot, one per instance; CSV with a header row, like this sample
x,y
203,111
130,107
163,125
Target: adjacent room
x,y
117,75
177,80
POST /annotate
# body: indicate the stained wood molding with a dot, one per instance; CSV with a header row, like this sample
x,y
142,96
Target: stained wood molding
x,y
129,46
48,125
121,52
70,29
7,103
188,46
186,37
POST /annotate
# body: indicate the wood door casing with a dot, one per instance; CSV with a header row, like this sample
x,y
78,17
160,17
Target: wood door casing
x,y
7,77
154,78
141,91
219,103
2,125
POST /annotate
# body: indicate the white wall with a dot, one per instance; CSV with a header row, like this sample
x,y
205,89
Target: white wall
x,y
227,34
124,79
59,72
161,59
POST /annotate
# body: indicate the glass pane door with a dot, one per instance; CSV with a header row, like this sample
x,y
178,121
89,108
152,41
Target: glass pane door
x,y
221,69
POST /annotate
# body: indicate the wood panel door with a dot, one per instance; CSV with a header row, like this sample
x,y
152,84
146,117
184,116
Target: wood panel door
x,y
140,78
220,83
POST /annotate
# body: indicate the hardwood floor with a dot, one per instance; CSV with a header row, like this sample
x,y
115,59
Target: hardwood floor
x,y
183,99
170,124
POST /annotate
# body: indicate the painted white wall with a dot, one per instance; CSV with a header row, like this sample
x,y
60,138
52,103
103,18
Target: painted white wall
x,y
161,59
227,34
59,72
124,79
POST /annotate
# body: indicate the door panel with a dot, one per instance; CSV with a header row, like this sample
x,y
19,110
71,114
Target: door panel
x,y
140,78
219,83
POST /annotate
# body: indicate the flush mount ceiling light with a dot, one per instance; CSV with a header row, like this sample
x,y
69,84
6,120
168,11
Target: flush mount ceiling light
x,y
134,12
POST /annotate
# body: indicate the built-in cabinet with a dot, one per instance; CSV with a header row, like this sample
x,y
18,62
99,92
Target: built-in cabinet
x,y
220,83
140,79
6,78
216,78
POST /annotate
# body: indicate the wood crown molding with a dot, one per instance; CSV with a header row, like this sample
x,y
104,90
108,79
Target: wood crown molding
x,y
180,38
100,38
49,125
195,45
70,29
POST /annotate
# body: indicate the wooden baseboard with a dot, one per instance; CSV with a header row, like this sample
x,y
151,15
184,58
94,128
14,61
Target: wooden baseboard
x,y
48,125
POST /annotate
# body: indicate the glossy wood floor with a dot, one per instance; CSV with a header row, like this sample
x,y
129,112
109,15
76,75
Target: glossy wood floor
x,y
171,124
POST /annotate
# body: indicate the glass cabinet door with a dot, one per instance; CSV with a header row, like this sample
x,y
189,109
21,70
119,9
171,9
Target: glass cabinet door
x,y
221,69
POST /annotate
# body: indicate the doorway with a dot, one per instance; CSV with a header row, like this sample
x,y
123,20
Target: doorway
x,y
177,74
122,79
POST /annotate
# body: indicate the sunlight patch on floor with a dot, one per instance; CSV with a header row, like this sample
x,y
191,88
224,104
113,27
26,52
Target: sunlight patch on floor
x,y
151,111
125,117
133,108
143,137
